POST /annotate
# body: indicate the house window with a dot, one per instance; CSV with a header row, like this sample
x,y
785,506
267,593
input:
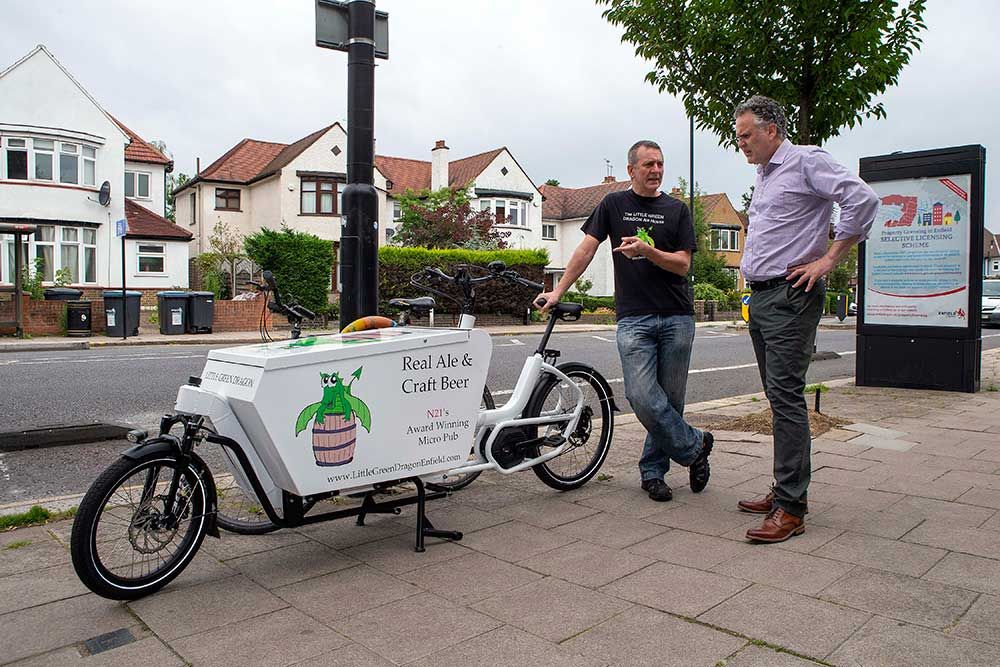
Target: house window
x,y
90,166
397,210
501,212
485,204
389,233
69,163
45,247
734,274
151,258
524,214
137,185
194,214
319,196
17,159
44,158
548,232
227,199
725,239
69,253
89,246
996,266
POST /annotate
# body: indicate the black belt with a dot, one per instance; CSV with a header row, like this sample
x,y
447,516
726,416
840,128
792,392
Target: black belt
x,y
763,285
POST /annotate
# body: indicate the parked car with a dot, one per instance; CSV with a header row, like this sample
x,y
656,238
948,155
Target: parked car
x,y
852,308
991,303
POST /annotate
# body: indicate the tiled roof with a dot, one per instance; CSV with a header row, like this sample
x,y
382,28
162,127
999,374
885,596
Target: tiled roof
x,y
991,244
140,151
242,162
407,174
568,203
289,153
464,171
143,223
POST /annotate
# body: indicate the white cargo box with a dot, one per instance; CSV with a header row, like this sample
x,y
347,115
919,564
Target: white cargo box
x,y
335,412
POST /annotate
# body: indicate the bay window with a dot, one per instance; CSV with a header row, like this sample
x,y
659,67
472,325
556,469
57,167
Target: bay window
x,y
17,159
725,239
90,167
72,250
69,163
43,154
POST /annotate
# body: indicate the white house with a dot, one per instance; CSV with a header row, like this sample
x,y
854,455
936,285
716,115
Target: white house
x,y
57,147
496,183
263,184
991,254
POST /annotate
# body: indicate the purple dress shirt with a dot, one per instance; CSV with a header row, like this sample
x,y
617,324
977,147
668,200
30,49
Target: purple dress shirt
x,y
793,199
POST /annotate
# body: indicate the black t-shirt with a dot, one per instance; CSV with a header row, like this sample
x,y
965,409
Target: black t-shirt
x,y
641,287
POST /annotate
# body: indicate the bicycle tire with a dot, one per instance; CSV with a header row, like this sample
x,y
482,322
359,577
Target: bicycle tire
x,y
590,442
236,511
456,482
96,526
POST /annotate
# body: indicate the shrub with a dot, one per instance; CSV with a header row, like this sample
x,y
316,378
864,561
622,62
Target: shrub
x,y
396,265
709,292
301,264
590,303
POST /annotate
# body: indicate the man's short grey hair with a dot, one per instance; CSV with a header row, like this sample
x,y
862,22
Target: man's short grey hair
x,y
633,153
766,111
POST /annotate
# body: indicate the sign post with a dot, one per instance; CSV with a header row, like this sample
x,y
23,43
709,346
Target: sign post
x,y
920,271
354,26
121,229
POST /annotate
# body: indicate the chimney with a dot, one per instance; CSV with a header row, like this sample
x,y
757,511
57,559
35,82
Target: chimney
x,y
197,166
677,193
608,179
439,165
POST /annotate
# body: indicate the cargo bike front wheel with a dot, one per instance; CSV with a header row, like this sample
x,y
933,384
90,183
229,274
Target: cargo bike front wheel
x,y
132,535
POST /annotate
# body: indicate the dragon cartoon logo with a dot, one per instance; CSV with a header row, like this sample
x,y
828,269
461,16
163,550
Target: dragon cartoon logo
x,y
335,420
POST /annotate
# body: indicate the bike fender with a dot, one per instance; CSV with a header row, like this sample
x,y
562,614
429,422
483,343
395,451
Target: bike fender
x,y
152,446
575,365
170,447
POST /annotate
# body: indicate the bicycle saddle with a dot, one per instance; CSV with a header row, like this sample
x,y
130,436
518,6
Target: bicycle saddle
x,y
568,311
420,303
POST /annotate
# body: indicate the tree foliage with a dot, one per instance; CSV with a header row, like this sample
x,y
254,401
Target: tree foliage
x,y
554,182
706,266
218,266
301,263
824,60
174,181
444,219
839,279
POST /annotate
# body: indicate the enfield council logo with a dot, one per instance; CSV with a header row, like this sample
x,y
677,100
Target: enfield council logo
x,y
957,314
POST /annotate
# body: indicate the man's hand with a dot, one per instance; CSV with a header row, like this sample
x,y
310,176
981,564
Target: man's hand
x,y
633,247
809,274
545,300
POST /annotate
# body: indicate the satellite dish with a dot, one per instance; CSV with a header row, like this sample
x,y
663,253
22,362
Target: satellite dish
x,y
104,196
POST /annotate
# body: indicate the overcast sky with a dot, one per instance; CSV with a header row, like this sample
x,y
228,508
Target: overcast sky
x,y
549,79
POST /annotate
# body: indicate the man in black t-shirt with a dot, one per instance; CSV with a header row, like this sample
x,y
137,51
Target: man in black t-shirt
x,y
652,239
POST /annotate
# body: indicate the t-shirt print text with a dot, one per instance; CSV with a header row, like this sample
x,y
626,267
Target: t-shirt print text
x,y
643,218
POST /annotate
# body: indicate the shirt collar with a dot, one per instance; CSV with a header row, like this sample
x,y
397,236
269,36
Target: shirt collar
x,y
779,155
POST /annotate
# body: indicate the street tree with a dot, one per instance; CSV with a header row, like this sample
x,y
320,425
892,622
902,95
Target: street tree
x,y
174,181
553,182
824,60
444,218
706,266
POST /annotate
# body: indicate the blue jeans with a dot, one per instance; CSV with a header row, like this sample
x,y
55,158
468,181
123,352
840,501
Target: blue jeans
x,y
656,355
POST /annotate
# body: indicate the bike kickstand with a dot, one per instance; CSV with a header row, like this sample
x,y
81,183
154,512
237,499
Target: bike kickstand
x,y
424,526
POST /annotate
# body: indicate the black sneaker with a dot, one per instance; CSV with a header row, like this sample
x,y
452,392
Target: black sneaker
x,y
657,490
699,472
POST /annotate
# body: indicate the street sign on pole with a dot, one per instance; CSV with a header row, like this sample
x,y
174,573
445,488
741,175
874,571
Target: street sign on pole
x,y
121,228
333,27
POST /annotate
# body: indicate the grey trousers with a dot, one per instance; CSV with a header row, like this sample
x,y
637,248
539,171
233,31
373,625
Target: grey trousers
x,y
783,323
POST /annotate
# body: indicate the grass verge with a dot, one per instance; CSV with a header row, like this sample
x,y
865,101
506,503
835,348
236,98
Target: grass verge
x,y
35,516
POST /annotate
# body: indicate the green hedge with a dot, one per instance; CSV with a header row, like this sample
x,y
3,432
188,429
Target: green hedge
x,y
301,263
396,265
590,303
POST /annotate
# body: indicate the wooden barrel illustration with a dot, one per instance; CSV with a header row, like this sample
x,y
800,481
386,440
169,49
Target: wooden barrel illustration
x,y
333,440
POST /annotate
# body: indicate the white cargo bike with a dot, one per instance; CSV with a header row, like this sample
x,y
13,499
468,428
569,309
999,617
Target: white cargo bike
x,y
300,421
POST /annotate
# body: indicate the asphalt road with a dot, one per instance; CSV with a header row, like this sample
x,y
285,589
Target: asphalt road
x,y
135,385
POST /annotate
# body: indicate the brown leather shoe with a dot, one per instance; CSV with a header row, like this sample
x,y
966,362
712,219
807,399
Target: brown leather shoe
x,y
777,527
759,505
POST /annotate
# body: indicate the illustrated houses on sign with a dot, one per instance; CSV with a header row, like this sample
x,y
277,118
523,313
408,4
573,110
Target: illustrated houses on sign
x,y
57,147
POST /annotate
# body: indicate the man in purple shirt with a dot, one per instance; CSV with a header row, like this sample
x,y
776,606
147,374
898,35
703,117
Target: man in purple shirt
x,y
785,259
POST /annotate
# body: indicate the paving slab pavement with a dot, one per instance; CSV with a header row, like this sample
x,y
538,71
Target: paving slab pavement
x,y
899,565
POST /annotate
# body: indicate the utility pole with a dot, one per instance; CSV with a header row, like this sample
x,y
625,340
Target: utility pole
x,y
351,26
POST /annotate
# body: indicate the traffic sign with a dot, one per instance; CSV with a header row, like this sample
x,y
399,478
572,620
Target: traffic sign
x,y
333,28
121,228
745,303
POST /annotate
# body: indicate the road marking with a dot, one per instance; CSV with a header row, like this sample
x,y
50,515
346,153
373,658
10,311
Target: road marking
x,y
99,359
514,342
606,340
693,371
